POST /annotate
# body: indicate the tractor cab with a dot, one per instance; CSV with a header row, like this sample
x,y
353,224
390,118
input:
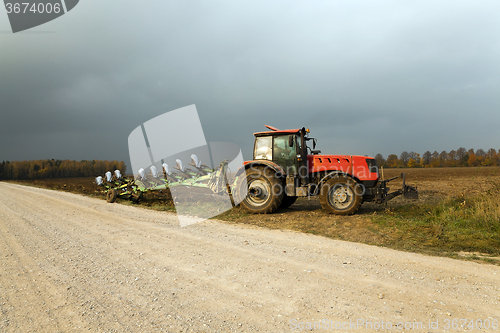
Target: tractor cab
x,y
283,147
280,147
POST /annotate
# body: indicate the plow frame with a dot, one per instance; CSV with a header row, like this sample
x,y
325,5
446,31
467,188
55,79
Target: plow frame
x,y
133,189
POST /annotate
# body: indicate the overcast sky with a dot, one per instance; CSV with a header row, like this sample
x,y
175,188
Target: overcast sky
x,y
366,77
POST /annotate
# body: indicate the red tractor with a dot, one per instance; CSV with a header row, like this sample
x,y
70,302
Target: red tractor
x,y
284,168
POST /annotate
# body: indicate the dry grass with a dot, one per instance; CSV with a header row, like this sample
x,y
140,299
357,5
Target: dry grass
x,y
468,223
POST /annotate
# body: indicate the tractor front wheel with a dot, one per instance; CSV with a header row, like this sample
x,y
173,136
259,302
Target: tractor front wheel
x,y
264,191
341,196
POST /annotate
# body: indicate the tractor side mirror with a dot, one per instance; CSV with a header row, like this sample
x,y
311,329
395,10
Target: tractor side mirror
x,y
314,143
290,141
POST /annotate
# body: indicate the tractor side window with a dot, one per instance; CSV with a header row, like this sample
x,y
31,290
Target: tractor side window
x,y
284,155
263,148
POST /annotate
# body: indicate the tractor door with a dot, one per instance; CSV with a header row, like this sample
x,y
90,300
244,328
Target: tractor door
x,y
285,152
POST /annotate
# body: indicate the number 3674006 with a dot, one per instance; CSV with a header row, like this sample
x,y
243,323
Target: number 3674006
x,y
34,8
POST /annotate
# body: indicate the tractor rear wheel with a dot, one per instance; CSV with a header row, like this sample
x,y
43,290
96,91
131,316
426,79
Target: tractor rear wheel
x,y
341,196
288,201
263,190
111,195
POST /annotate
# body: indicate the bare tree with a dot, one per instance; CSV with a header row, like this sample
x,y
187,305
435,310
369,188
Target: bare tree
x,y
461,155
452,158
414,156
435,159
380,160
427,157
443,157
404,158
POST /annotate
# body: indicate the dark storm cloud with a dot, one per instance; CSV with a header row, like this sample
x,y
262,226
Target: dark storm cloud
x,y
366,77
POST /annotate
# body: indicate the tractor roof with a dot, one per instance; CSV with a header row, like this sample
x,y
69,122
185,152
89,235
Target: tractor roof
x,y
275,131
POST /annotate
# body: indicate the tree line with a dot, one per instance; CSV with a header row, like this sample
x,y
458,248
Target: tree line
x,y
455,158
40,169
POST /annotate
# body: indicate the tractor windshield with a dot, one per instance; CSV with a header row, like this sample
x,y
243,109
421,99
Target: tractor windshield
x,y
263,148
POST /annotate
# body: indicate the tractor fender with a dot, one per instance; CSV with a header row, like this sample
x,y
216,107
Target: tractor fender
x,y
255,163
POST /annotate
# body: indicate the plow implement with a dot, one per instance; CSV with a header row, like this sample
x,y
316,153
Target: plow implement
x,y
195,175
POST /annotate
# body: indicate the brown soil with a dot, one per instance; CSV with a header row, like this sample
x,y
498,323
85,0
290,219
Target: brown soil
x,y
81,185
442,182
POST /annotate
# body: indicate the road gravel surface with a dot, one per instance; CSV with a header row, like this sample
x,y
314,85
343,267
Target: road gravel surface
x,y
73,263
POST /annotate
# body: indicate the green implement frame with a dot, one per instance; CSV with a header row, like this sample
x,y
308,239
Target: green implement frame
x,y
118,186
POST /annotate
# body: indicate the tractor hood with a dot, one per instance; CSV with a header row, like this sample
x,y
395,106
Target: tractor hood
x,y
361,167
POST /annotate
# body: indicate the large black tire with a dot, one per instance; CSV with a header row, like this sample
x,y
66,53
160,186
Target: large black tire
x,y
341,196
111,195
265,191
287,201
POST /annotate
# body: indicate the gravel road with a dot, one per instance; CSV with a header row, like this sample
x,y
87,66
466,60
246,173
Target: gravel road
x,y
74,263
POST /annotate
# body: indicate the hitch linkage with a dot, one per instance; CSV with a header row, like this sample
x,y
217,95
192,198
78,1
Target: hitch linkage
x,y
382,195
